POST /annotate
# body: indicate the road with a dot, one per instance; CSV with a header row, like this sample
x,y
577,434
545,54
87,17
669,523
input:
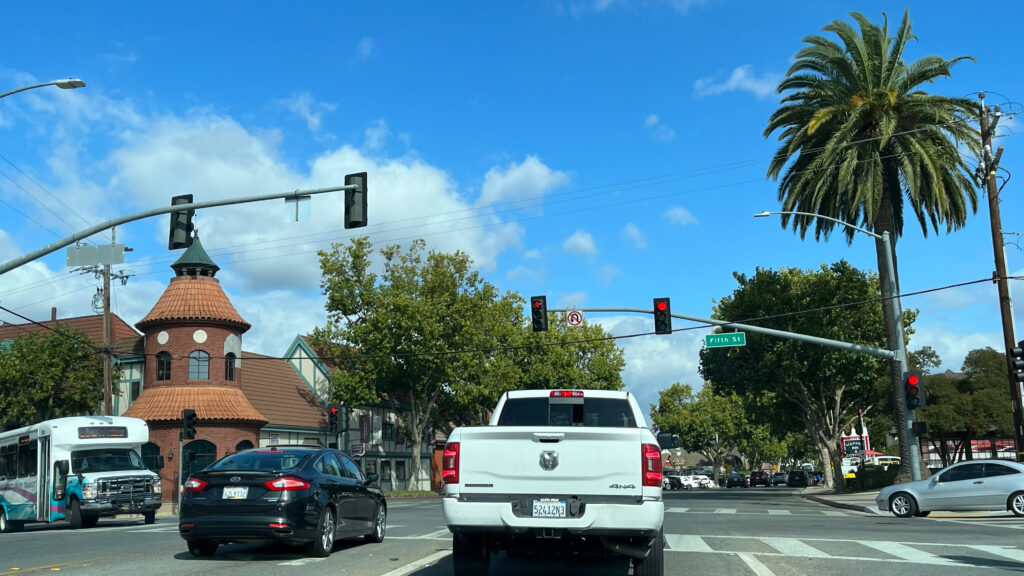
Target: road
x,y
755,531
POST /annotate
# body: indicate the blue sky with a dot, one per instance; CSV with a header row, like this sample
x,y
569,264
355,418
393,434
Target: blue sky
x,y
600,152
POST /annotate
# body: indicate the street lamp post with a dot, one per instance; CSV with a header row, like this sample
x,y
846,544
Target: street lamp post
x,y
65,84
897,312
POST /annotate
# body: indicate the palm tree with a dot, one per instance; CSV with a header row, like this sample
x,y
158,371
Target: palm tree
x,y
862,141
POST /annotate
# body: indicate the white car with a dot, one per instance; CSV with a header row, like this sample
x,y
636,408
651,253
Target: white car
x,y
965,486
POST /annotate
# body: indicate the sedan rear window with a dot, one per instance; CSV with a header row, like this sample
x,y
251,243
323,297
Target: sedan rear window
x,y
599,412
261,460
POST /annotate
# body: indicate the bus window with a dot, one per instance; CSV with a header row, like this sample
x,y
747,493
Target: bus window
x,y
27,453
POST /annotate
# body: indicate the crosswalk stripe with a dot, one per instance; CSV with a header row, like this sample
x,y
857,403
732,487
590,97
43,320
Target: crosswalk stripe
x,y
1004,551
834,513
911,554
725,511
781,512
677,510
687,543
793,547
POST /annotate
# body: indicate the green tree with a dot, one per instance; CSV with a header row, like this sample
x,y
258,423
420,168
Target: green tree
x,y
709,424
50,375
862,141
821,384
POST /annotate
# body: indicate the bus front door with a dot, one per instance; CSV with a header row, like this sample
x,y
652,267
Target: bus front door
x,y
43,493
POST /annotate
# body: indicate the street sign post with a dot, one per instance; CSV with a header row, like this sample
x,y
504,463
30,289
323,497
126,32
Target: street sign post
x,y
725,339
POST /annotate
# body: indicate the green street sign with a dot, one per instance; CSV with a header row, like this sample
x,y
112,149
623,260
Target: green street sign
x,y
726,339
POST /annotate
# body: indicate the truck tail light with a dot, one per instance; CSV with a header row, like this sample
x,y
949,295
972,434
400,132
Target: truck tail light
x,y
651,459
450,463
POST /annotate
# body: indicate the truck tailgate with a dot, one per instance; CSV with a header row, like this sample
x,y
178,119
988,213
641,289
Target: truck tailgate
x,y
554,460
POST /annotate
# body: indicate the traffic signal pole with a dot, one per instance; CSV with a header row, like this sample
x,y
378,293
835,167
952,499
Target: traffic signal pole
x,y
53,247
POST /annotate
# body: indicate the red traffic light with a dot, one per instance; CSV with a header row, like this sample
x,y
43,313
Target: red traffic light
x,y
662,305
334,409
912,379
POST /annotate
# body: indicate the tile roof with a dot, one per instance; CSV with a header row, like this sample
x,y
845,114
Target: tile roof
x,y
278,392
122,334
193,298
209,402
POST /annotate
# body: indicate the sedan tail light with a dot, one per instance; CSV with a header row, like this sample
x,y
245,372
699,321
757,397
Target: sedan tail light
x,y
194,485
651,459
450,463
286,483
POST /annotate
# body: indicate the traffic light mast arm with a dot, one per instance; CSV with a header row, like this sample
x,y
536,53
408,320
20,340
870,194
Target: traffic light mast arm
x,y
848,346
22,260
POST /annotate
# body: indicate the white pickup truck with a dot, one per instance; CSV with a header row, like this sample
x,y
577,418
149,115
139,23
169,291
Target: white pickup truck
x,y
556,472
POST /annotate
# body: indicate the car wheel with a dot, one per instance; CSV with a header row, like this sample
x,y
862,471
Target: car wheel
x,y
1017,503
654,564
379,525
323,543
902,505
470,557
75,516
149,517
202,547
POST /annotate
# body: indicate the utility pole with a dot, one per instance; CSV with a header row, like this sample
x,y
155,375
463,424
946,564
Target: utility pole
x,y
987,167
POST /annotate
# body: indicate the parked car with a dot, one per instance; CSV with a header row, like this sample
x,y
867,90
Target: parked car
x,y
797,479
736,479
759,478
964,486
779,478
300,495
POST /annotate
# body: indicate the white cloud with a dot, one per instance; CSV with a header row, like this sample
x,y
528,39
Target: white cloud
x,y
634,235
365,48
659,130
306,107
580,243
608,273
532,254
951,346
572,300
376,135
532,273
742,79
680,215
525,183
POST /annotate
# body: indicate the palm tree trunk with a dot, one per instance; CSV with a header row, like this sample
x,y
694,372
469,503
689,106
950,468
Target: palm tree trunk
x,y
884,223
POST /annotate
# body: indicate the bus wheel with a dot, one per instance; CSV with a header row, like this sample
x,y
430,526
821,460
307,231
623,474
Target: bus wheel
x,y
7,526
149,517
75,516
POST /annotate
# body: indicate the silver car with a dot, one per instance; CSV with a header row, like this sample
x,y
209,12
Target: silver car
x,y
968,485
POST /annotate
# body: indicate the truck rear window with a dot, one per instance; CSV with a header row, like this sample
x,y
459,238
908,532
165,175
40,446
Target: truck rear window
x,y
603,412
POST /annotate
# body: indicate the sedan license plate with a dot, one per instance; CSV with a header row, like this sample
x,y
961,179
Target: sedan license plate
x,y
549,508
235,492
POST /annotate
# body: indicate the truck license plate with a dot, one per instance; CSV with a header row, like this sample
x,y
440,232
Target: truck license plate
x,y
235,492
549,508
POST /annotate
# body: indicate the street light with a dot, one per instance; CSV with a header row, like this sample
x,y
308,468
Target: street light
x,y
897,313
65,84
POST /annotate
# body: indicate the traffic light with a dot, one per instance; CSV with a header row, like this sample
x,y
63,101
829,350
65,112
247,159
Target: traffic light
x,y
188,423
1017,361
181,224
539,311
355,201
332,417
662,316
919,428
913,390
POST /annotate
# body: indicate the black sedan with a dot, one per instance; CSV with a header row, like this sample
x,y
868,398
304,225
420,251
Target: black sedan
x,y
736,479
300,495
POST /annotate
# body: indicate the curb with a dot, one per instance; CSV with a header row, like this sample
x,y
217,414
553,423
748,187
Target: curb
x,y
845,505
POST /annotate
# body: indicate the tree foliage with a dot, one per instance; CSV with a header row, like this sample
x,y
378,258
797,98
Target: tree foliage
x,y
709,424
815,384
431,335
50,375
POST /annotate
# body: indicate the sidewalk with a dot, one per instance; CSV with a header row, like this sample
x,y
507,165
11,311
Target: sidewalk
x,y
859,501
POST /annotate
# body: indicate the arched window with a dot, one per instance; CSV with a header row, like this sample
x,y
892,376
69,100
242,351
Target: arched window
x,y
199,365
197,454
243,445
150,451
229,367
163,366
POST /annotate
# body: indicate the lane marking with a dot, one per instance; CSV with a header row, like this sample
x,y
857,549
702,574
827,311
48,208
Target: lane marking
x,y
301,561
780,512
725,511
677,510
914,555
687,543
1004,551
418,564
794,547
834,513
754,564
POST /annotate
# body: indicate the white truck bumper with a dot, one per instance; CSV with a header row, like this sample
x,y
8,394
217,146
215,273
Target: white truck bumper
x,y
645,517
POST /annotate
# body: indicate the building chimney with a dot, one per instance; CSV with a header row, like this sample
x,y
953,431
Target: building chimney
x,y
53,314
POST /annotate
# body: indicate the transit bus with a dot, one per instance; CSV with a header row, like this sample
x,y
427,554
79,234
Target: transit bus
x,y
77,469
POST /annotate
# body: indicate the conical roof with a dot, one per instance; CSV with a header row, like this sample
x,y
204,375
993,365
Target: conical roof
x,y
195,260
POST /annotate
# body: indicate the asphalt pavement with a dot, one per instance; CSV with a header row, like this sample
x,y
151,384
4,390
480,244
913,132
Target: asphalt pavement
x,y
859,501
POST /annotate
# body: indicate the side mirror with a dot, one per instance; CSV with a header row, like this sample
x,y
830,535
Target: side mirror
x,y
159,461
371,477
61,467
